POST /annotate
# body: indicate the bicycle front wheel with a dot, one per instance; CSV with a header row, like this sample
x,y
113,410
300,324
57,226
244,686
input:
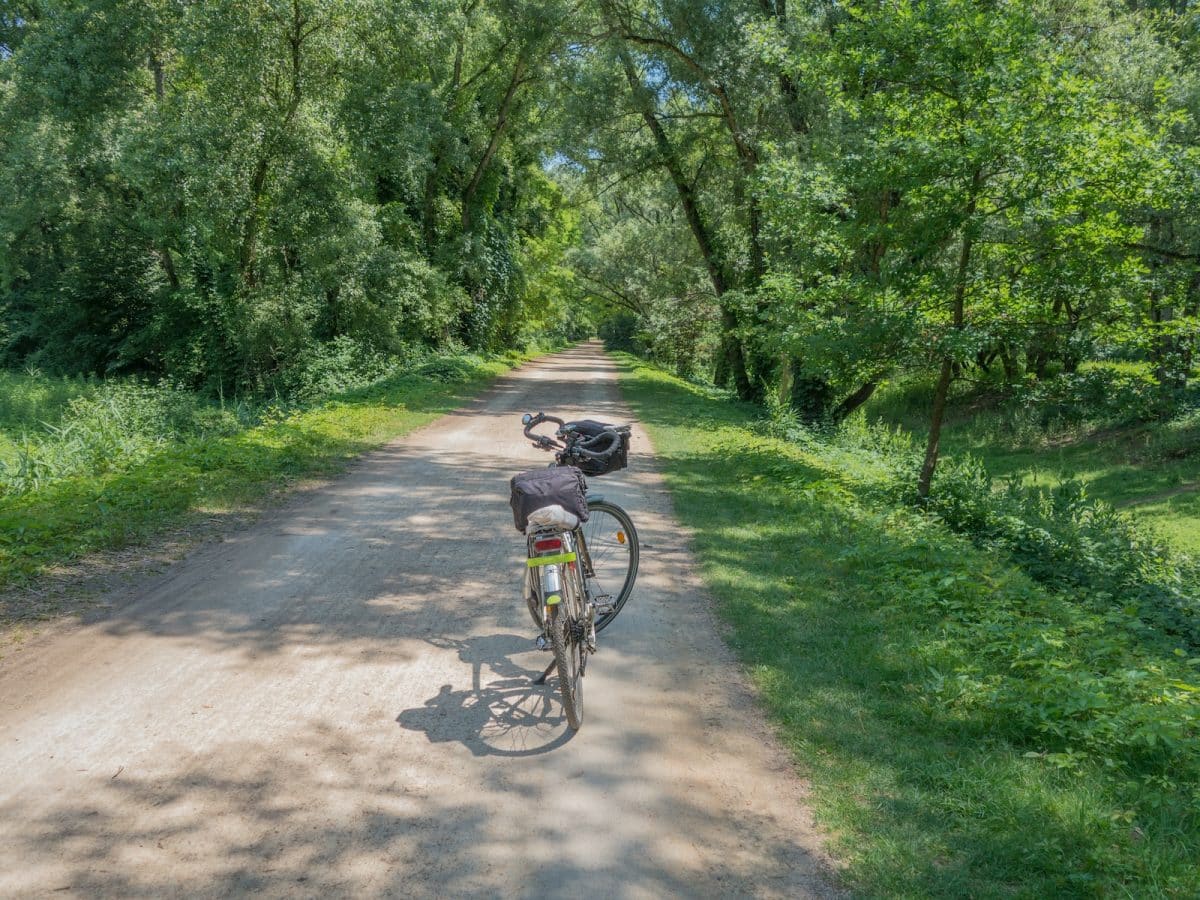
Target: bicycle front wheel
x,y
612,547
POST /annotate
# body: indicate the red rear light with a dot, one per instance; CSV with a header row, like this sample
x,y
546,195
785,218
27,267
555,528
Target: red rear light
x,y
547,544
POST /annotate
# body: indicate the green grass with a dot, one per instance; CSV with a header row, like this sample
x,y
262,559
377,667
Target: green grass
x,y
1117,466
162,486
28,401
966,731
1151,470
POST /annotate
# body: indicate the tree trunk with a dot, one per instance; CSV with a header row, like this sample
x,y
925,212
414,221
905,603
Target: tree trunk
x,y
1011,371
250,229
163,250
777,10
429,207
933,445
734,359
493,142
855,400
735,356
296,37
935,429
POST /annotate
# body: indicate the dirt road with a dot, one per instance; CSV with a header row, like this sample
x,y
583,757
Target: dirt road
x,y
337,702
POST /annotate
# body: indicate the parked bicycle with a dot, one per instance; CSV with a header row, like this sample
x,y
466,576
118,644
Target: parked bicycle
x,y
582,550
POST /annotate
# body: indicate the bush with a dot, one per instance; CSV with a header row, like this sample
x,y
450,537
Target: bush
x,y
619,332
1099,394
113,426
342,364
1073,543
1077,545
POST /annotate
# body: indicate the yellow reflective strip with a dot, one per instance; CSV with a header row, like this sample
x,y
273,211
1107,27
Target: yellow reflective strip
x,y
550,560
553,600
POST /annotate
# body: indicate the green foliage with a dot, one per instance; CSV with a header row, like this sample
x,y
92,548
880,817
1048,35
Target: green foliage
x,y
620,331
1058,535
1100,395
29,399
1063,538
212,192
969,731
125,459
1054,432
115,426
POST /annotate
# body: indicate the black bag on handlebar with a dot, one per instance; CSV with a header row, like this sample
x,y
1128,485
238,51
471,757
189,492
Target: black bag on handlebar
x,y
562,485
616,458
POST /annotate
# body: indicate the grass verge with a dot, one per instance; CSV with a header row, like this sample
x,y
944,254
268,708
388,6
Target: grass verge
x,y
71,517
1149,468
967,731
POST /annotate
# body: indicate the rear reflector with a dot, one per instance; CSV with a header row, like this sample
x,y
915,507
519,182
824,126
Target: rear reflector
x,y
547,544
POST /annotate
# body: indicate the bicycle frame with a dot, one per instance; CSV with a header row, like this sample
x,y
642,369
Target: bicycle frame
x,y
551,575
546,565
583,559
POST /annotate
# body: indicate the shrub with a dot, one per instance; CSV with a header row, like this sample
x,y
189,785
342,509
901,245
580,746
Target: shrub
x,y
1073,543
619,332
342,364
118,423
1063,538
113,425
1098,394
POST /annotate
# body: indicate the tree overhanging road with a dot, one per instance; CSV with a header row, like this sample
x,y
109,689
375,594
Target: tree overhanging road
x,y
338,701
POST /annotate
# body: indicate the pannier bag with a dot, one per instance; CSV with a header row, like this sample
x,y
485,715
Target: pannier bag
x,y
617,458
562,486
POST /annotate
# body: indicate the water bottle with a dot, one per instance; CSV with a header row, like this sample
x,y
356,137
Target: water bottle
x,y
551,584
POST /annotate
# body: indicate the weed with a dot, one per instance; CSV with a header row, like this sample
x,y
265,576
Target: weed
x,y
123,459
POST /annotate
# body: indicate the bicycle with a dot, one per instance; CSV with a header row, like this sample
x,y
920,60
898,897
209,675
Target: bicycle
x,y
580,569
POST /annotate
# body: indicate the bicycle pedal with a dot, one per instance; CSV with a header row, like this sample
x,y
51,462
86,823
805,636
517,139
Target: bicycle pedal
x,y
541,643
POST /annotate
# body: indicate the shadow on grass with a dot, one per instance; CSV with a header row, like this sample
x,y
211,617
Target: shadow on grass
x,y
932,798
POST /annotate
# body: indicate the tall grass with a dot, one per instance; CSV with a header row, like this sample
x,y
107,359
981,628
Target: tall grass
x,y
60,428
100,464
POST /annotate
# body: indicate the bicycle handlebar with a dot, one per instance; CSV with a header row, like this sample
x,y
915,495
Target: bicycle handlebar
x,y
542,442
533,421
613,440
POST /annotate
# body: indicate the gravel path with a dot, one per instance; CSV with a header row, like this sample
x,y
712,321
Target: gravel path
x,y
337,702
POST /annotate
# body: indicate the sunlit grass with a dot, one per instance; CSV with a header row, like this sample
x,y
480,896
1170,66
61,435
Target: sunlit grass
x,y
28,399
174,477
1151,470
905,668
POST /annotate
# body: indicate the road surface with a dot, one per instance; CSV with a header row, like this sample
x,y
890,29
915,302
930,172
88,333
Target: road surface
x,y
337,702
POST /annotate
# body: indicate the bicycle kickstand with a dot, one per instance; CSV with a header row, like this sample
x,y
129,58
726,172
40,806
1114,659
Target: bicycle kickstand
x,y
541,679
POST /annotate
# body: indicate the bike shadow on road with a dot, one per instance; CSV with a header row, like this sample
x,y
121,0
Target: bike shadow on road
x,y
502,713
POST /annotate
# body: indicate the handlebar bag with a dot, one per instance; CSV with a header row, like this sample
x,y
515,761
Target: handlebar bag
x,y
562,486
616,458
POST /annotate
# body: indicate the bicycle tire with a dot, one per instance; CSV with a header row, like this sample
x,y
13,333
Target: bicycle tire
x,y
568,657
597,509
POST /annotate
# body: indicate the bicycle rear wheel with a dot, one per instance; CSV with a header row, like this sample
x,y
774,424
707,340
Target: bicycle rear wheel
x,y
612,546
568,627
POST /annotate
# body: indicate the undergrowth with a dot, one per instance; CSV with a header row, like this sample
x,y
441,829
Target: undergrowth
x,y
969,729
111,463
1059,535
